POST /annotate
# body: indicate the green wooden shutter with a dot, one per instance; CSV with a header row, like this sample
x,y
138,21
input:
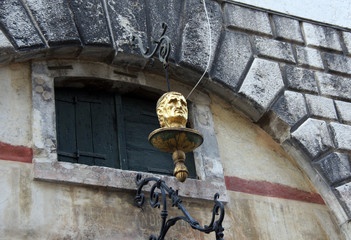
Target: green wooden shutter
x,y
86,127
140,120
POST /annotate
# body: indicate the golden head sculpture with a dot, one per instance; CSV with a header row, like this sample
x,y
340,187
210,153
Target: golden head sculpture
x,y
173,136
172,110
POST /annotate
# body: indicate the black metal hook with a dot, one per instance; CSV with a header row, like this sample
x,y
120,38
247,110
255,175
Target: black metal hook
x,y
217,212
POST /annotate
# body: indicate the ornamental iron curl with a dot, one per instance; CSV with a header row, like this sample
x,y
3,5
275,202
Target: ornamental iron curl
x,y
218,208
163,45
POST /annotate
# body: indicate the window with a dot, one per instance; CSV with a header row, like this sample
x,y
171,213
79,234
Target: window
x,y
91,75
108,129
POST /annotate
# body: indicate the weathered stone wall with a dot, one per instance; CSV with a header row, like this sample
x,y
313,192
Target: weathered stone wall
x,y
289,75
286,207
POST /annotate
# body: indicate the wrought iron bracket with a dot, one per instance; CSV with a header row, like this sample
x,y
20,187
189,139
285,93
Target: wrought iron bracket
x,y
163,46
218,209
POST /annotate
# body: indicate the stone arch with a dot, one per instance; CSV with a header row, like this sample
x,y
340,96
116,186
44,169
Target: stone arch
x,y
276,77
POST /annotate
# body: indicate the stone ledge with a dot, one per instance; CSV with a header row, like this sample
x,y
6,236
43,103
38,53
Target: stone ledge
x,y
287,29
274,49
314,137
71,173
342,135
309,57
338,63
247,19
323,37
335,167
262,85
321,107
300,79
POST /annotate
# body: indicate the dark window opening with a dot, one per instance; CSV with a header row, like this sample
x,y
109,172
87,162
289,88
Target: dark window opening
x,y
108,129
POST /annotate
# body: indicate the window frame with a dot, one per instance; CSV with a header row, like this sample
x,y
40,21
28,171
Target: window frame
x,y
46,167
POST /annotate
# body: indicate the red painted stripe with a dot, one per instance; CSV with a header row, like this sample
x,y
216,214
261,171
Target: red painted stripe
x,y
15,153
268,189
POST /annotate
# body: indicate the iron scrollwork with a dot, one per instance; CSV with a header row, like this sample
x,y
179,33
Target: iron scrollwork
x,y
218,209
163,44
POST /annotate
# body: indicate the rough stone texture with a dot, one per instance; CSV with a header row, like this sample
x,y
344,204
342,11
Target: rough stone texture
x,y
290,107
347,41
309,57
319,36
262,84
91,21
274,49
233,58
342,135
247,19
321,107
5,48
313,136
169,12
127,18
287,29
335,167
345,193
16,22
5,45
335,86
55,21
344,110
300,79
338,63
195,37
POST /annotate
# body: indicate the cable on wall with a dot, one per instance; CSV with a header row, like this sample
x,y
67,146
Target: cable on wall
x,y
210,50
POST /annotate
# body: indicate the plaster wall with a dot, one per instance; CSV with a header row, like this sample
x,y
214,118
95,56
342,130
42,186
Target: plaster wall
x,y
32,209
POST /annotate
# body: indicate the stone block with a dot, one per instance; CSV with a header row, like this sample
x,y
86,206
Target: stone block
x,y
290,107
345,196
344,110
196,39
247,19
335,167
274,49
335,86
287,29
321,107
55,21
91,22
127,18
169,12
338,63
5,48
314,137
300,79
309,57
347,41
262,84
5,45
18,25
234,55
319,36
342,135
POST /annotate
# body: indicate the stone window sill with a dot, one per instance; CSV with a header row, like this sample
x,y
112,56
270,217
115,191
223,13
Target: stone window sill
x,y
79,174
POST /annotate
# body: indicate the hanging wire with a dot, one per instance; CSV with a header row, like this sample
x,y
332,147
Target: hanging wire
x,y
210,52
167,79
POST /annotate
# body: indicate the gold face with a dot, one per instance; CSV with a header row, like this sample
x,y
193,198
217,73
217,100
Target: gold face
x,y
172,110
